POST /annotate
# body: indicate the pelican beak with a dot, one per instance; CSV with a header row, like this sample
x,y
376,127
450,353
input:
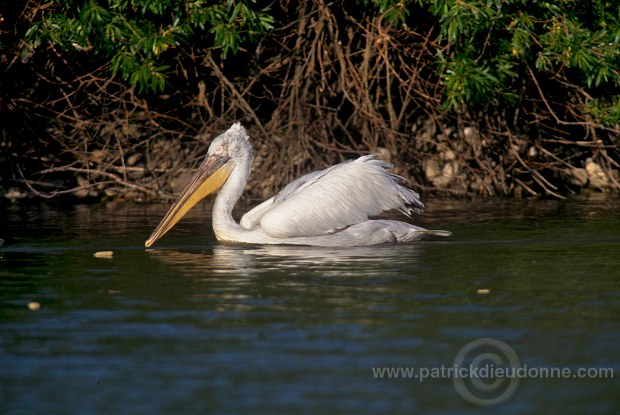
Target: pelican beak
x,y
211,175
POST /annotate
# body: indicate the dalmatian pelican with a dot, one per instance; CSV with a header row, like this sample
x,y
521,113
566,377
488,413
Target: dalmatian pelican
x,y
330,207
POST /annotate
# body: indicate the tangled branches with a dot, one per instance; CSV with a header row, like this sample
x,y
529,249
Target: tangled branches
x,y
329,85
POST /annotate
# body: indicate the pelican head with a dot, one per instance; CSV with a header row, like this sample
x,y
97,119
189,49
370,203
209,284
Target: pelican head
x,y
227,150
233,143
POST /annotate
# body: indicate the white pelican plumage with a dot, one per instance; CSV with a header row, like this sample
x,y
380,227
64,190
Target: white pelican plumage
x,y
331,207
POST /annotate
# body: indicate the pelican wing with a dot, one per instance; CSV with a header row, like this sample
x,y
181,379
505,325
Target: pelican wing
x,y
329,200
251,219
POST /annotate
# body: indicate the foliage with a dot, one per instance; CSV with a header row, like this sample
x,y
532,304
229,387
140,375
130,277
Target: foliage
x,y
487,46
484,46
135,35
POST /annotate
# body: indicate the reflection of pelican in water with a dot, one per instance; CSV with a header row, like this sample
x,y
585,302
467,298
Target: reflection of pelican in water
x,y
241,262
330,207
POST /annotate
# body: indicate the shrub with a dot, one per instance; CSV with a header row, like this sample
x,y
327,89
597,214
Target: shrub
x,y
133,37
469,96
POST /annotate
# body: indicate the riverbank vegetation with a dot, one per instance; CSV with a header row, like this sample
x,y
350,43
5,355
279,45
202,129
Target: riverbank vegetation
x,y
107,98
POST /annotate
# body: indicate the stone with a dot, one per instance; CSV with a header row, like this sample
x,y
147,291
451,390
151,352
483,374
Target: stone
x,y
448,155
384,154
577,177
132,160
597,179
440,177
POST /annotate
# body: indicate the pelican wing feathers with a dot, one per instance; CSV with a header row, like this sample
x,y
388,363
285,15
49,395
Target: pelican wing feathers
x,y
326,201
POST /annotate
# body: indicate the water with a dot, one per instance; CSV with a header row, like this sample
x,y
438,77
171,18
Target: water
x,y
199,327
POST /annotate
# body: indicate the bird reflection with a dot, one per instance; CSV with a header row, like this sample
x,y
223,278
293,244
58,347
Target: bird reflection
x,y
244,260
289,279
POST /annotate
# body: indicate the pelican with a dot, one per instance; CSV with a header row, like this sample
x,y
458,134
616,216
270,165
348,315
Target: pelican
x,y
331,207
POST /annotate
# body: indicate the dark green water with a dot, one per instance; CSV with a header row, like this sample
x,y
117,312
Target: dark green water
x,y
196,327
